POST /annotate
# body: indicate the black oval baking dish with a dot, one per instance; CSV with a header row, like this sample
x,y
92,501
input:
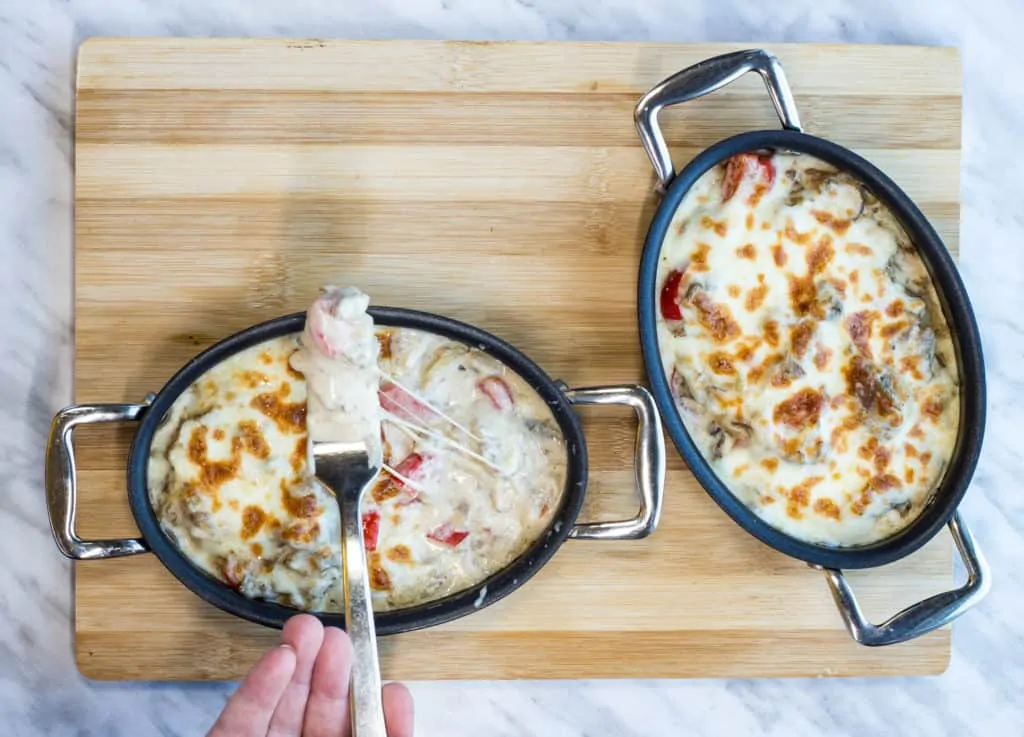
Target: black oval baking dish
x,y
649,467
706,77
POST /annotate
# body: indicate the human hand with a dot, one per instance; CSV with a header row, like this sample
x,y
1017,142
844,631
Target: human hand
x,y
300,689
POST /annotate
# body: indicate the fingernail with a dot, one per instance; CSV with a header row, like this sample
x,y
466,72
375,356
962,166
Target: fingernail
x,y
286,646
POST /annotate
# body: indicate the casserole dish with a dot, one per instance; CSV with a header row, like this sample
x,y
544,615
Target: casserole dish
x,y
941,508
61,485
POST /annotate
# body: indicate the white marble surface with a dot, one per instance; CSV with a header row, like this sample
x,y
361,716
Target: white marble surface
x,y
40,690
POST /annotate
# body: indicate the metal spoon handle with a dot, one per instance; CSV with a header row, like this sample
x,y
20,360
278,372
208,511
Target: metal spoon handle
x,y
365,690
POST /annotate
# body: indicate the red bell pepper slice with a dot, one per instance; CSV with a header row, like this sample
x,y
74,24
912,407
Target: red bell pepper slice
x,y
411,468
742,166
371,529
446,534
395,400
670,309
497,391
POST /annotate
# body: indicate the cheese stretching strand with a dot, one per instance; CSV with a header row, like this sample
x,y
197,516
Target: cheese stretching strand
x,y
806,348
434,410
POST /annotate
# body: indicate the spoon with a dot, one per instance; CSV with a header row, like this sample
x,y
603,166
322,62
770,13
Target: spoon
x,y
345,469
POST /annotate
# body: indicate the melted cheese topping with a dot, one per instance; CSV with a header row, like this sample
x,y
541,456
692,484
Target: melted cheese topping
x,y
475,467
806,348
229,480
338,357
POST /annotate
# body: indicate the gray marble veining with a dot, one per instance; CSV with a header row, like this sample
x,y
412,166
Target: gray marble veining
x,y
41,693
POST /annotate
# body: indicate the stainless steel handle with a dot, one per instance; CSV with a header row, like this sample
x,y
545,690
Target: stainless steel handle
x,y
699,80
924,616
648,462
62,482
366,702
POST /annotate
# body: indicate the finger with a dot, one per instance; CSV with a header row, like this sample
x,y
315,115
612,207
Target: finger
x,y
248,711
304,634
398,710
327,708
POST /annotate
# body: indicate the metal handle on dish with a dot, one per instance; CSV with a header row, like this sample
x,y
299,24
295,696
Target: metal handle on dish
x,y
923,617
366,702
648,462
699,80
62,481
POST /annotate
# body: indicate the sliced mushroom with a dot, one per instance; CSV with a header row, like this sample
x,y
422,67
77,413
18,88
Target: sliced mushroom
x,y
888,382
680,387
894,269
740,432
815,180
786,373
925,339
718,440
542,428
846,196
870,204
443,356
863,202
902,507
796,191
692,291
829,296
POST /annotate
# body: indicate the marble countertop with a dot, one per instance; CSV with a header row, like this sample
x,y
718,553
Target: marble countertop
x,y
40,690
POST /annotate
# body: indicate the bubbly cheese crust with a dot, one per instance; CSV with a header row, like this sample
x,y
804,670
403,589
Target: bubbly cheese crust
x,y
806,349
229,475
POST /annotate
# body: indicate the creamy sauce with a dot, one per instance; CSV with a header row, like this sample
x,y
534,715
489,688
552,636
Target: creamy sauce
x,y
449,517
474,464
806,348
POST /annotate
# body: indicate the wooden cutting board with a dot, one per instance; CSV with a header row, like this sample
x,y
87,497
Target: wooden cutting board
x,y
220,182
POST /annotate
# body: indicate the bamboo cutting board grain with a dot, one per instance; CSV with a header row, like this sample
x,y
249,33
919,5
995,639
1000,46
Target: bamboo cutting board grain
x,y
219,183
